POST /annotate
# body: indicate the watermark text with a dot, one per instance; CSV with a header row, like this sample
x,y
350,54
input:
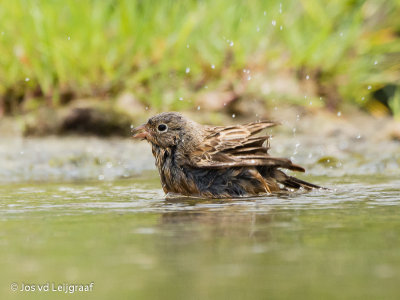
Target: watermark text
x,y
66,288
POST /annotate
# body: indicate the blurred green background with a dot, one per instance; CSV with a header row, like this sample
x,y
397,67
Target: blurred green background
x,y
200,55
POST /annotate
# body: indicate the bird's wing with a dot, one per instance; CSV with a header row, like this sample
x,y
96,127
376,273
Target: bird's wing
x,y
236,146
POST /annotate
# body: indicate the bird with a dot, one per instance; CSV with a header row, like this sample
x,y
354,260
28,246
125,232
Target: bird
x,y
216,161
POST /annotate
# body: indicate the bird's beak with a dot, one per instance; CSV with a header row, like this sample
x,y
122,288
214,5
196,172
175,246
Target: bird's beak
x,y
140,132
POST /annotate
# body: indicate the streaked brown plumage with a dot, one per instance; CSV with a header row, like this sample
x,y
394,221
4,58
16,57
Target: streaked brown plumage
x,y
216,161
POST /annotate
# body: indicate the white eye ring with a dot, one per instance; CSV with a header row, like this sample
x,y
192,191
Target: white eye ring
x,y
162,128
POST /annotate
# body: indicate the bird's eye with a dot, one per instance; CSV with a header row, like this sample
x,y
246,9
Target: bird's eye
x,y
162,128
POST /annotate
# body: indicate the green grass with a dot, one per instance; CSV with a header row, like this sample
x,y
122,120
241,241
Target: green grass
x,y
51,49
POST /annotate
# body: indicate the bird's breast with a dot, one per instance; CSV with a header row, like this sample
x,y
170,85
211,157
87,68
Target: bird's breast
x,y
173,176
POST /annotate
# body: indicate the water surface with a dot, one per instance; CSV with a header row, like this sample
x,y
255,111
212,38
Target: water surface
x,y
93,211
127,239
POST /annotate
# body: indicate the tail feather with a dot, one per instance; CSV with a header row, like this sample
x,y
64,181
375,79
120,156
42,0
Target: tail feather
x,y
290,181
293,182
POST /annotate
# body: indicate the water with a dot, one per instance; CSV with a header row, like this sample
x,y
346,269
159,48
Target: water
x,y
127,239
123,234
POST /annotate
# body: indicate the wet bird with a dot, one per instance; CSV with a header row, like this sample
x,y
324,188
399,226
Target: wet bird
x,y
216,161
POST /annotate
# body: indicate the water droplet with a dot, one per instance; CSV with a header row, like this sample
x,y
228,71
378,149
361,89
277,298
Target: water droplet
x,y
101,177
132,126
180,98
341,34
275,108
369,87
273,23
297,145
2,33
187,46
298,117
310,155
206,86
310,102
233,115
147,108
358,136
224,103
265,13
307,77
187,70
21,152
68,38
249,78
231,44
305,96
362,98
375,62
258,29
281,27
109,165
280,8
339,113
198,107
212,66
27,79
294,130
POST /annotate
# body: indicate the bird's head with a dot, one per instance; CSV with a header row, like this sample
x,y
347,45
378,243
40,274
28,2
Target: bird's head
x,y
166,129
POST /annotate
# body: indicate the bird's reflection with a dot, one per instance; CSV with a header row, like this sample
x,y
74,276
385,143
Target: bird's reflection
x,y
189,218
206,223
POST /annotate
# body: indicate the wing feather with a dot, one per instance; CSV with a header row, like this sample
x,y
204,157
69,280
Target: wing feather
x,y
236,146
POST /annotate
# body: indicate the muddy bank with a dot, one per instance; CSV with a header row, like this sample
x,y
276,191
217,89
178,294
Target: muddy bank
x,y
114,118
